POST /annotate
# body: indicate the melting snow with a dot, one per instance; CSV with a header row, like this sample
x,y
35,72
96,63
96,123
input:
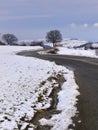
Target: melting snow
x,y
19,90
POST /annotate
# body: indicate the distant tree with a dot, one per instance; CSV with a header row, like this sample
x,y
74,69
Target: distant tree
x,y
10,39
2,43
54,36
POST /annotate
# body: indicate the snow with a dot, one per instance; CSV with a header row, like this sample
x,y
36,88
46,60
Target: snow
x,y
68,43
77,52
26,42
68,48
4,50
69,91
20,89
95,45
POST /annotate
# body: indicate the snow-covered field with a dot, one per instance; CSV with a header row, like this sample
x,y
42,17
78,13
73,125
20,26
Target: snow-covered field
x,y
68,48
68,43
77,52
23,81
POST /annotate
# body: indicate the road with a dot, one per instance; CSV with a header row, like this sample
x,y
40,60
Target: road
x,y
86,76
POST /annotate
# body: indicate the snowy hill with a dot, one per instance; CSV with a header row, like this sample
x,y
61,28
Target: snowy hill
x,y
72,43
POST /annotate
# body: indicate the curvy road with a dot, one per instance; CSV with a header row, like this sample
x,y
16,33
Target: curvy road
x,y
86,76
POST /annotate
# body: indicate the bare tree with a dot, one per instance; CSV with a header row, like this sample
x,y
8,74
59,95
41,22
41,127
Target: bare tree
x,y
9,38
54,36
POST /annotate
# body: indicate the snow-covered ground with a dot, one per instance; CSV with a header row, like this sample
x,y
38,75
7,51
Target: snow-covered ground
x,y
73,52
68,43
68,48
77,52
21,87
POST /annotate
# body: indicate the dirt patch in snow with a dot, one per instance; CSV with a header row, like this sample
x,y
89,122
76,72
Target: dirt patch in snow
x,y
47,113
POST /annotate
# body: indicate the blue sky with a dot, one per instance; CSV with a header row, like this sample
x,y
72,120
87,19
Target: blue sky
x,y
31,19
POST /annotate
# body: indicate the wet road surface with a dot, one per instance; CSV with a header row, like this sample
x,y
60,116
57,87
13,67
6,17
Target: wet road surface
x,y
86,76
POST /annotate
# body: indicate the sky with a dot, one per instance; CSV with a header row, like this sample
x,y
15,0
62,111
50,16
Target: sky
x,y
32,19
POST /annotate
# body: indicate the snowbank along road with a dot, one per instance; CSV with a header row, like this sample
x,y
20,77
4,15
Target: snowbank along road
x,y
35,94
86,75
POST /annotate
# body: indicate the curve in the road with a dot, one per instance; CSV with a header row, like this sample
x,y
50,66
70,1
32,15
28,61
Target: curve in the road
x,y
86,76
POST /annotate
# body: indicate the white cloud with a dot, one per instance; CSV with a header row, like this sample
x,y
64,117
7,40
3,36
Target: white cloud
x,y
73,25
95,24
85,25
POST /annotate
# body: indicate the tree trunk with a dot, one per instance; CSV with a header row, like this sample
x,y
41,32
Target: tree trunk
x,y
53,44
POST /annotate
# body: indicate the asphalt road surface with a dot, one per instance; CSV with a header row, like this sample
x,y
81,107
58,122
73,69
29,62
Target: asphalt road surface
x,y
86,76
